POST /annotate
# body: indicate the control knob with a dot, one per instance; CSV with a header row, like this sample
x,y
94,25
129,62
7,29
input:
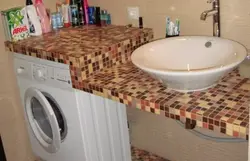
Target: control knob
x,y
20,71
40,74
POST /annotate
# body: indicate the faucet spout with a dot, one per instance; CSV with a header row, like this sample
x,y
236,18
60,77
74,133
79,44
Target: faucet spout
x,y
215,12
208,13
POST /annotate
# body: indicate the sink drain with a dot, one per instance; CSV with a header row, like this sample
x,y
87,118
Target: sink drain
x,y
208,44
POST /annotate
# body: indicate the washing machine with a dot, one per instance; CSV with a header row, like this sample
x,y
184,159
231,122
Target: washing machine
x,y
55,126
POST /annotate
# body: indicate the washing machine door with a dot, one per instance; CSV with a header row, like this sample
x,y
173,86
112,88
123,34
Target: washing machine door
x,y
42,120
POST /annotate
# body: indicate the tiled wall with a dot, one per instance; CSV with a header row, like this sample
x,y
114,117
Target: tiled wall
x,y
12,126
235,16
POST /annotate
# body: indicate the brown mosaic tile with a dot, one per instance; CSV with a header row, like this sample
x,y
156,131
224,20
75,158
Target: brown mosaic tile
x,y
149,95
142,155
86,49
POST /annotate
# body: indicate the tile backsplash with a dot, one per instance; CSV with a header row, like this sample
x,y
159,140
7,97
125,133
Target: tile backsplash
x,y
235,16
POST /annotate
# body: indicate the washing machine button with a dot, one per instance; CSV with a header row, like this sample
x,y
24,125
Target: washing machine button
x,y
20,70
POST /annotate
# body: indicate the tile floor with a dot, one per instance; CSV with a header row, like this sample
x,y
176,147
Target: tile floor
x,y
141,155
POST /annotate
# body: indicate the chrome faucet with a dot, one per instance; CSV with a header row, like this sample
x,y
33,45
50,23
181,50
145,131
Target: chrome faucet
x,y
215,12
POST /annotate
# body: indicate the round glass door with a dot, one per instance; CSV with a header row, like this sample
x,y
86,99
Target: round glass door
x,y
42,119
46,119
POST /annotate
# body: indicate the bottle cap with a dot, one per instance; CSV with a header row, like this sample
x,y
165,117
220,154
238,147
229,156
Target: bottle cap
x,y
38,1
54,15
105,11
140,22
29,2
67,1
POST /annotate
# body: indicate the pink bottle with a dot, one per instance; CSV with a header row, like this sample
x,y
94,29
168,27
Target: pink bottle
x,y
41,11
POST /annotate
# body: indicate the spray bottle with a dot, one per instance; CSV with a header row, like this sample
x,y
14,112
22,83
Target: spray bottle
x,y
41,11
85,8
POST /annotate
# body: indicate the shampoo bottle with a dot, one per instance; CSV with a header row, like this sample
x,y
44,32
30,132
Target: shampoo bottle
x,y
44,19
85,8
34,23
65,14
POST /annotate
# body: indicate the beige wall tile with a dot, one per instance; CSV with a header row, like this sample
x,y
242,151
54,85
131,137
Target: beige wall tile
x,y
236,20
235,16
94,2
13,131
8,85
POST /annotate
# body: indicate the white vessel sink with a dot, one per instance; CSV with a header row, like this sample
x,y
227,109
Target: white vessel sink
x,y
189,63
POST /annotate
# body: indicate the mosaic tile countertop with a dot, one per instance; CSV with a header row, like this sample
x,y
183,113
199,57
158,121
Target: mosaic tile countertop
x,y
91,52
86,49
223,108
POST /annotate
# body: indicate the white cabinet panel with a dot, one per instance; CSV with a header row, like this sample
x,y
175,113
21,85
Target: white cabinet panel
x,y
105,128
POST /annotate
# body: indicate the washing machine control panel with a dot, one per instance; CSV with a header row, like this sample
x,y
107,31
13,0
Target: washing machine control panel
x,y
51,75
42,71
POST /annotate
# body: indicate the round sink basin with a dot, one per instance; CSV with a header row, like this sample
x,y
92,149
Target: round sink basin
x,y
189,63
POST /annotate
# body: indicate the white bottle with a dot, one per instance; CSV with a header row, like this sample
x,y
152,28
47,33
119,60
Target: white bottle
x,y
34,22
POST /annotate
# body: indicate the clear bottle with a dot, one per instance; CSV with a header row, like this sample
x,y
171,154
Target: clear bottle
x,y
59,20
74,13
109,19
105,12
54,21
44,19
103,18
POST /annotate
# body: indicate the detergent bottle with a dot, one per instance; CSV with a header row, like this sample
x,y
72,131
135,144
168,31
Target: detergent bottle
x,y
35,28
